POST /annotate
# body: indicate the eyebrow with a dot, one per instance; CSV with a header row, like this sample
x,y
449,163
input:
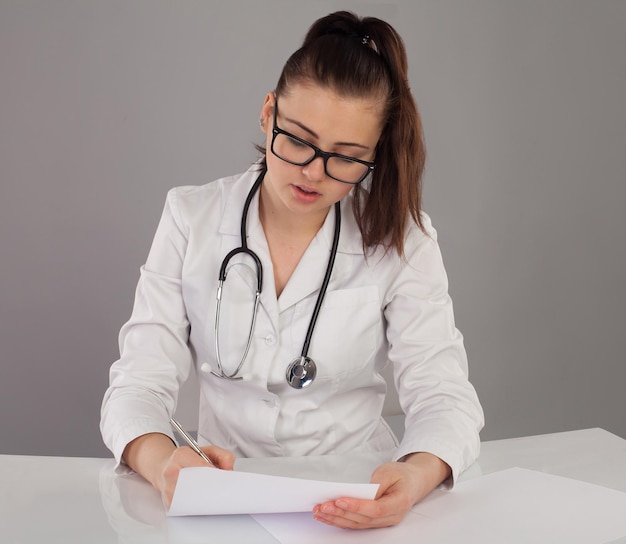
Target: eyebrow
x,y
312,133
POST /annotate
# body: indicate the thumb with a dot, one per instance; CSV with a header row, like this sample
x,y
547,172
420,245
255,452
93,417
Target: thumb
x,y
386,478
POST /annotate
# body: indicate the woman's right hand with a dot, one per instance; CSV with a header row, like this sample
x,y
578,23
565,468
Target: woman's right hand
x,y
184,457
159,461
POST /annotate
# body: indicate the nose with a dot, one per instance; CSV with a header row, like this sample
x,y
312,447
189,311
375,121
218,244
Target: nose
x,y
315,169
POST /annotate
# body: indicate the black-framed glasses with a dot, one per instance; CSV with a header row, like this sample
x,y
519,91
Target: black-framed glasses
x,y
294,150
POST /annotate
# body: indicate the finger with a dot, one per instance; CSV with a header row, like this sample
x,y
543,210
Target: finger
x,y
335,513
355,513
223,459
353,523
348,520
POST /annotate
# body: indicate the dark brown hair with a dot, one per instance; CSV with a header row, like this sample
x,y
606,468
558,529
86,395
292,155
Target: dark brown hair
x,y
366,58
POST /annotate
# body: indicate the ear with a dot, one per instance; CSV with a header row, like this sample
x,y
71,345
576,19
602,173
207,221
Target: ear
x,y
267,111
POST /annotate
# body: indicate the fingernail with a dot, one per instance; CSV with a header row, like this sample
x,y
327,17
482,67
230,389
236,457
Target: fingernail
x,y
341,504
327,509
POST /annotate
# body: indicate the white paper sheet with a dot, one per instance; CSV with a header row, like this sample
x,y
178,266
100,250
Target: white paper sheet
x,y
516,506
204,490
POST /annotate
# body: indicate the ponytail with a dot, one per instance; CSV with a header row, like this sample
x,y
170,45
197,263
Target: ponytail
x,y
395,193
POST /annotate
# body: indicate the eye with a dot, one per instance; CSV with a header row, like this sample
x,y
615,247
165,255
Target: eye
x,y
296,143
346,160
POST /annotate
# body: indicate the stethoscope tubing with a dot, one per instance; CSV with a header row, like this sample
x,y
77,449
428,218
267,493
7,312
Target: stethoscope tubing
x,y
324,286
294,375
222,278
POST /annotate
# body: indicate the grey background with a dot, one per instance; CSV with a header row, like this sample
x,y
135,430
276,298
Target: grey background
x,y
104,105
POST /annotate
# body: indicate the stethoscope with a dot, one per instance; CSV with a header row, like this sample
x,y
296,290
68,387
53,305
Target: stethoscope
x,y
302,370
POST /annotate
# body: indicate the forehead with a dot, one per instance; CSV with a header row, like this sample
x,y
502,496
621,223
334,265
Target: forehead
x,y
328,113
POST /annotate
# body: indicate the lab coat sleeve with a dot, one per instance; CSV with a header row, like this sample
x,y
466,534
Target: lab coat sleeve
x,y
154,354
443,414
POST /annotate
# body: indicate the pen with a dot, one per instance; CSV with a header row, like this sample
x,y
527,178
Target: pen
x,y
190,441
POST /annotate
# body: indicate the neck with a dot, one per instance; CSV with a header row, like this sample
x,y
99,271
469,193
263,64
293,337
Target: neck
x,y
276,219
288,235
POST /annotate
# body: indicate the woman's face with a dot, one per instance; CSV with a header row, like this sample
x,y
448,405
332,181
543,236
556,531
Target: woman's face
x,y
349,126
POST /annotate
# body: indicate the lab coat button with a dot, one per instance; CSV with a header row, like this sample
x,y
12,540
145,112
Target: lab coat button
x,y
270,340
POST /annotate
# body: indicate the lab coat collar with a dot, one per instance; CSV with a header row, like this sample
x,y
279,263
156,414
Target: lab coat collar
x,y
308,275
230,224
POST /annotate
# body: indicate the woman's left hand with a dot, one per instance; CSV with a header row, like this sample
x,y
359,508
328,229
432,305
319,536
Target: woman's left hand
x,y
402,485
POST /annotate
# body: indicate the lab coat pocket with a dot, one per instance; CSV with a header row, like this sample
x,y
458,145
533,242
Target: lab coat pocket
x,y
347,332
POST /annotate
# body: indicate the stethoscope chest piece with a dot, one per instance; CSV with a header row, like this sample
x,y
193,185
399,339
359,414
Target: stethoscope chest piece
x,y
301,372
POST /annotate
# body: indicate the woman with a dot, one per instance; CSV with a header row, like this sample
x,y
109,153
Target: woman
x,y
350,277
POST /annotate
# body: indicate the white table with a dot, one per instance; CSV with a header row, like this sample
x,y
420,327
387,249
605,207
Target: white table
x,y
62,499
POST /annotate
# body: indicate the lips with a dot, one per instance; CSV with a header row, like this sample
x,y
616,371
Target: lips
x,y
306,190
305,194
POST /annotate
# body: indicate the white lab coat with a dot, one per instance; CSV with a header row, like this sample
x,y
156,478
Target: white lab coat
x,y
377,310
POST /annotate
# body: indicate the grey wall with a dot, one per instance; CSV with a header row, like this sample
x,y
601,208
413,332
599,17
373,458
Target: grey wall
x,y
104,105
